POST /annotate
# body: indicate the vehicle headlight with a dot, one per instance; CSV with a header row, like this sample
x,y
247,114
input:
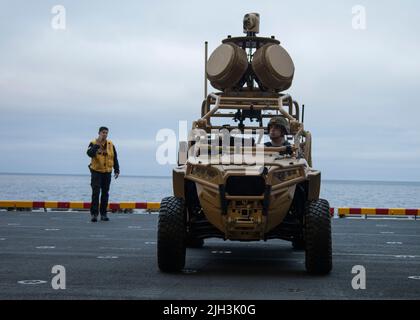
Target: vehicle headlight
x,y
204,172
286,175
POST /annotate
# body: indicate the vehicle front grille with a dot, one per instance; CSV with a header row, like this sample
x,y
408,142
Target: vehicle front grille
x,y
245,186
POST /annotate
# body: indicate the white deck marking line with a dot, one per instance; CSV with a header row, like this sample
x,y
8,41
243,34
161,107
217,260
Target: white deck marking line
x,y
222,251
374,234
189,271
376,255
114,248
32,282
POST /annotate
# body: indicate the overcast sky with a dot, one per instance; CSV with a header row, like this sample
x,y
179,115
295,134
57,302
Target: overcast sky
x,y
137,67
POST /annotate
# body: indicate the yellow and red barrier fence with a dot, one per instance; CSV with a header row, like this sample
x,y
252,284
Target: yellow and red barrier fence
x,y
76,205
345,212
118,206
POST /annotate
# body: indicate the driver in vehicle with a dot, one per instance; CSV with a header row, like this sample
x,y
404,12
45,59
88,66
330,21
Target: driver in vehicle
x,y
278,128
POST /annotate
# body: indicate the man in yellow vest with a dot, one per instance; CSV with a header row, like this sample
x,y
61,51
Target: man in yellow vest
x,y
103,158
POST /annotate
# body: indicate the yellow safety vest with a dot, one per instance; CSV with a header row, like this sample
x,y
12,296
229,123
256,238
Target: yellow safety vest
x,y
104,159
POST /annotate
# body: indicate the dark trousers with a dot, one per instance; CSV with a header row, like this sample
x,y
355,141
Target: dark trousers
x,y
100,183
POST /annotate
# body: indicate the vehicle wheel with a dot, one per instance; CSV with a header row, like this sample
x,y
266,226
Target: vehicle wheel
x,y
318,251
171,235
298,244
193,242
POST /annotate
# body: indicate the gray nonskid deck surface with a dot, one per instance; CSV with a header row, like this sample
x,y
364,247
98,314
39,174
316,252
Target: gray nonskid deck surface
x,y
117,260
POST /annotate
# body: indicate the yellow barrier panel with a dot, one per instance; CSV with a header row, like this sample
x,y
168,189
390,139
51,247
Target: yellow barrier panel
x,y
153,205
127,205
343,212
7,204
397,212
76,205
23,204
51,204
370,211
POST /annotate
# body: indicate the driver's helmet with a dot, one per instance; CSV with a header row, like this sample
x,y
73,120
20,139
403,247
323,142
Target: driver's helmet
x,y
279,122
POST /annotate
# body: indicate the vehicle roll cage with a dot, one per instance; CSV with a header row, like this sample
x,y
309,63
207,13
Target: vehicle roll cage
x,y
240,106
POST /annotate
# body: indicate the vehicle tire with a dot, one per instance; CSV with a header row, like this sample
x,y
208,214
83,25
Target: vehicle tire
x,y
193,242
171,238
317,230
298,244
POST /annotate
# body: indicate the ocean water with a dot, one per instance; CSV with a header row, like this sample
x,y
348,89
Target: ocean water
x,y
141,189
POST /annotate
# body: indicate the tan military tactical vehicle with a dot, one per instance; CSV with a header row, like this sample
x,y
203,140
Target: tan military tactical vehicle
x,y
228,183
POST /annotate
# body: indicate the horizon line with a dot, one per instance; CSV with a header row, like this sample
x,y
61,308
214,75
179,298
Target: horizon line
x,y
167,177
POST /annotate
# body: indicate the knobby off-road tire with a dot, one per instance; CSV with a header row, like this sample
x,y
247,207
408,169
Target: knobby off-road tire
x,y
298,244
171,239
318,251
